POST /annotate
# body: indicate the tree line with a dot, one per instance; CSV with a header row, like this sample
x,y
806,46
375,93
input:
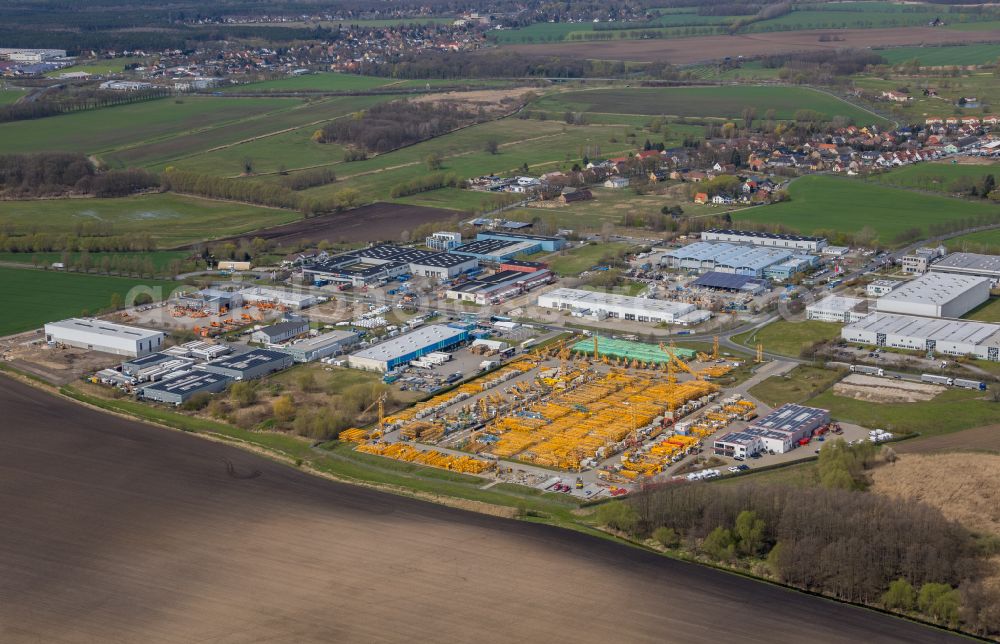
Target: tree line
x,y
50,174
54,242
831,539
45,107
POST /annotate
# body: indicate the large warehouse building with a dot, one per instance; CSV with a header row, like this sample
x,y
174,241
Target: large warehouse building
x,y
108,337
609,305
388,355
969,264
936,295
735,259
386,261
951,337
774,240
499,287
321,346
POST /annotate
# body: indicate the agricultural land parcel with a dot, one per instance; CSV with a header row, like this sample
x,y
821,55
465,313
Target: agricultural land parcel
x,y
976,54
33,297
8,96
788,338
699,49
718,102
171,219
824,203
938,177
575,261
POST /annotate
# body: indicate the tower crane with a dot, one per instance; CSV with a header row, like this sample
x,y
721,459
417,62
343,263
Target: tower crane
x,y
380,403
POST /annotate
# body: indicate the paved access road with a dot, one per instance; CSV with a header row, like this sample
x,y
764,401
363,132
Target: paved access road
x,y
114,531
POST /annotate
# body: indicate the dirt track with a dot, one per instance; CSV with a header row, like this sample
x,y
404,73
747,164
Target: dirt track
x,y
681,51
114,531
377,221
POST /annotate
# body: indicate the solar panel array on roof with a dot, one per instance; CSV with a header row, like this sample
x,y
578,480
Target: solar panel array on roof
x,y
726,281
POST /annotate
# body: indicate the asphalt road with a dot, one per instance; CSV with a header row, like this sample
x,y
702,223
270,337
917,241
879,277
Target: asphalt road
x,y
114,531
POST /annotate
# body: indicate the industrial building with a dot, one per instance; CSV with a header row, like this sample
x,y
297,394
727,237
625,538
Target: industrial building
x,y
108,337
625,307
936,295
386,261
778,432
497,251
789,268
731,283
499,287
283,297
969,264
210,299
951,337
388,355
198,349
178,391
442,241
546,243
919,261
837,308
250,365
280,332
773,240
155,366
881,287
321,346
24,55
725,258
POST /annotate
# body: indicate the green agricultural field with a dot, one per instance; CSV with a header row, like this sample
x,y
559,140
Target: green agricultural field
x,y
271,140
937,177
948,412
716,102
979,54
574,262
96,131
323,82
33,297
161,258
8,96
843,205
787,338
797,386
987,242
989,311
172,220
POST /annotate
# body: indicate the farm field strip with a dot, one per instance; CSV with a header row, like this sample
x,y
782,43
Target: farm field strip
x,y
943,55
172,219
848,205
123,126
721,102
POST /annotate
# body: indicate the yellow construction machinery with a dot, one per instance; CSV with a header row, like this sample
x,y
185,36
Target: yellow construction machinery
x,y
760,353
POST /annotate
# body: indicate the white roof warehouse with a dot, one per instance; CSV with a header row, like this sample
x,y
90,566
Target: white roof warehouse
x,y
108,337
622,306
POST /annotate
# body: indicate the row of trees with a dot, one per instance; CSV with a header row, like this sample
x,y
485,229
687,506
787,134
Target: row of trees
x,y
49,174
62,104
53,242
309,179
847,544
424,184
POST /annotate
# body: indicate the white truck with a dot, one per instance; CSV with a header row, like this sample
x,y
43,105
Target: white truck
x,y
865,369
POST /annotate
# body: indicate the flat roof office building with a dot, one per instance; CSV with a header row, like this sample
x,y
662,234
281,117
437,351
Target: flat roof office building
x,y
321,346
837,308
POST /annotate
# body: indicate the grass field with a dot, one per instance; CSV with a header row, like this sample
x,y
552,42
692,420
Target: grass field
x,y
33,297
8,96
98,67
161,258
719,102
324,82
843,205
173,220
938,177
797,386
978,54
988,311
987,241
950,411
106,129
579,259
788,338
